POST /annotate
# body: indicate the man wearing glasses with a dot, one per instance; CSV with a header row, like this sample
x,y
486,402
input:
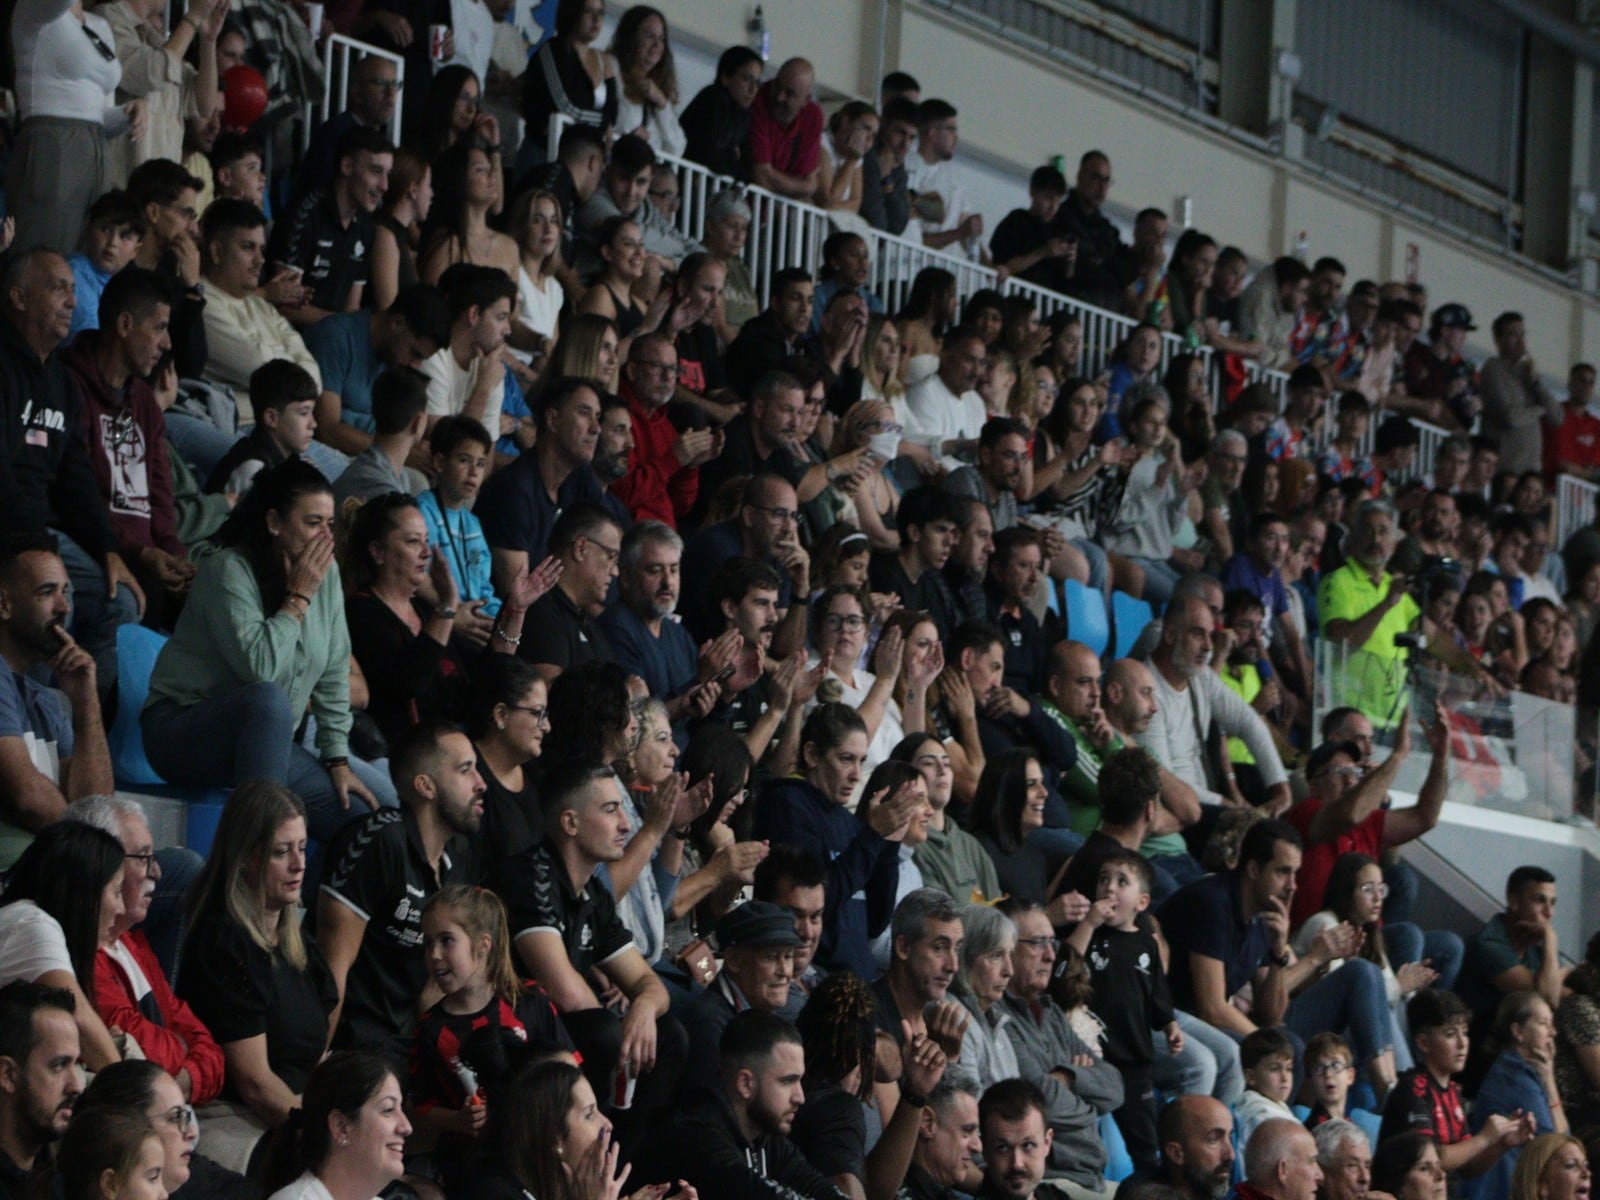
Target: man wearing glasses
x,y
560,631
369,102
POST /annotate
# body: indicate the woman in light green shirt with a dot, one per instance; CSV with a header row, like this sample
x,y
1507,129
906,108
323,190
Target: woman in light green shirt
x,y
261,642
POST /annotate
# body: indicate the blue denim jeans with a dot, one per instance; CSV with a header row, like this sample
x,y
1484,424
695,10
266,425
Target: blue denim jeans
x,y
95,616
1406,943
1208,1065
1349,998
1160,578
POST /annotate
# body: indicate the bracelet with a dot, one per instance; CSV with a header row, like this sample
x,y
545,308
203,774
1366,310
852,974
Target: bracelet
x,y
505,637
331,763
443,614
1282,960
300,596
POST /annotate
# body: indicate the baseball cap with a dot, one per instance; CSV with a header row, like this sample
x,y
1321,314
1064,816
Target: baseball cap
x,y
1453,316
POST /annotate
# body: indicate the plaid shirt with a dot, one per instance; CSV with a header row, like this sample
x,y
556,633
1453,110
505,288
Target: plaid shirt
x,y
280,47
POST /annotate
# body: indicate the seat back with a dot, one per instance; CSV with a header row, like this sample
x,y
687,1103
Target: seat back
x,y
137,648
1131,616
1086,617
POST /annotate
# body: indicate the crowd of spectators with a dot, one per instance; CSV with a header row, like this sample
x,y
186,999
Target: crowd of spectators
x,y
676,738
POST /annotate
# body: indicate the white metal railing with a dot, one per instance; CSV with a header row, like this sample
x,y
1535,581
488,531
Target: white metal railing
x,y
339,54
1428,448
1575,507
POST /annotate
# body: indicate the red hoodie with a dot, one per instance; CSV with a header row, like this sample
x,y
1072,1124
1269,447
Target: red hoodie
x,y
657,486
127,438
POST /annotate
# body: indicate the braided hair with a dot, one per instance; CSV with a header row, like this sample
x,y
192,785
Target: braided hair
x,y
839,1033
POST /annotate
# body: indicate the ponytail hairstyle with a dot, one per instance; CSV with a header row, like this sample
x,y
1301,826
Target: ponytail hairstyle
x,y
342,1083
828,725
481,914
838,1031
97,1141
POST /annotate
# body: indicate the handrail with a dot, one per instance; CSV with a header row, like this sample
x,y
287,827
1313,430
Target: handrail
x,y
338,54
1575,508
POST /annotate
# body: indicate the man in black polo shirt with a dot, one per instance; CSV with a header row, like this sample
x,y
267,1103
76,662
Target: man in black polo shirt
x,y
561,631
1104,263
329,234
381,872
565,928
39,1079
1015,570
519,504
774,334
928,520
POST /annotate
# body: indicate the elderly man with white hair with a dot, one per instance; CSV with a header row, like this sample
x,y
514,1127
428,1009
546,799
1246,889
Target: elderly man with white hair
x,y
1280,1163
1346,1160
131,991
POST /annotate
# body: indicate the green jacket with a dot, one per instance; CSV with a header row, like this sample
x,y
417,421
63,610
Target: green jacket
x,y
199,514
225,640
953,860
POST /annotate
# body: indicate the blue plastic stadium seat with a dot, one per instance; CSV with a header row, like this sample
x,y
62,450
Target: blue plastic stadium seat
x,y
1119,1163
137,648
1086,617
1130,616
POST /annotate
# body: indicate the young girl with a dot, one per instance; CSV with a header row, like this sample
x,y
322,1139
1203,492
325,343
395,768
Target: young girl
x,y
468,949
111,1154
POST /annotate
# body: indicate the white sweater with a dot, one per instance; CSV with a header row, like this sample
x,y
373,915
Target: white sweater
x,y
60,73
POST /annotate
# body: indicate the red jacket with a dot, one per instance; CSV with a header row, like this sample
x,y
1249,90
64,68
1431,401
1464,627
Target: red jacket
x,y
180,1042
657,486
139,491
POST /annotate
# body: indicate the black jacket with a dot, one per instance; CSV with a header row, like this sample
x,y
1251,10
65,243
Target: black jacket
x,y
703,1146
45,477
761,346
716,130
1105,263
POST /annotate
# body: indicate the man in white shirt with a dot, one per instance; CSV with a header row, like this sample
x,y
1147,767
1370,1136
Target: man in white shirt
x,y
944,413
932,172
467,377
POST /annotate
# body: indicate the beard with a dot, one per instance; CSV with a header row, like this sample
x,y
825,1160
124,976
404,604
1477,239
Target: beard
x,y
608,467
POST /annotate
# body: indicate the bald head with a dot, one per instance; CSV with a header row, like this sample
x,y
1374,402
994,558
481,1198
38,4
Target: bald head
x,y
1281,1160
1074,679
1196,1135
790,90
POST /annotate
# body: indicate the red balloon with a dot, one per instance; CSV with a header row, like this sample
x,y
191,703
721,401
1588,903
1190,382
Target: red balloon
x,y
244,93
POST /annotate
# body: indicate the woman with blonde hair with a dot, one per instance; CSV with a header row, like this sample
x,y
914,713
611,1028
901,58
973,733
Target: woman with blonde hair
x,y
249,972
1554,1166
588,350
870,500
398,234
642,48
536,224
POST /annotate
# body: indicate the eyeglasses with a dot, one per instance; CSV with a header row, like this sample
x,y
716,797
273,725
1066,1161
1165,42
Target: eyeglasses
x,y
181,1117
610,552
538,713
145,860
1379,890
1341,772
1039,943
1333,1066
781,515
387,85
663,195
845,621
187,211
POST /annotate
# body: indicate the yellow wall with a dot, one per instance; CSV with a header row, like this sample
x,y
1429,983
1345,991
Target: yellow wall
x,y
1022,108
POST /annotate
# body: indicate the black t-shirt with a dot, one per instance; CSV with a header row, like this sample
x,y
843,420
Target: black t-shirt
x,y
539,899
1023,645
1083,872
700,367
379,870
1022,232
929,593
332,255
1417,1103
1130,992
240,991
518,514
512,821
831,1131
740,457
557,633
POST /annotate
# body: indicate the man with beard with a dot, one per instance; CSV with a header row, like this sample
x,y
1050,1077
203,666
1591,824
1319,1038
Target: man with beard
x,y
1019,1147
662,479
1431,546
1246,673
39,1078
466,376
944,413
766,529
1280,1163
1232,928
1189,698
758,943
565,927
650,645
560,631
51,753
329,235
613,453
732,1139
926,520
1015,571
924,957
1346,1161
1196,1134
1002,453
381,871
968,565
1065,1082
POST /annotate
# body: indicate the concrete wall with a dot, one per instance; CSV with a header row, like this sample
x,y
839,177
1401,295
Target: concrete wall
x,y
1018,108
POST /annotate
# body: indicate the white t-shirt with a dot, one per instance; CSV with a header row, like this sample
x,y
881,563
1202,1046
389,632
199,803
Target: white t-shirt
x,y
307,1187
935,414
138,982
449,386
473,26
31,943
540,306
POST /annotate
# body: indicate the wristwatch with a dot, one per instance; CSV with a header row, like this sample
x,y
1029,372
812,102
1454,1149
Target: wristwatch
x,y
912,1100
1282,960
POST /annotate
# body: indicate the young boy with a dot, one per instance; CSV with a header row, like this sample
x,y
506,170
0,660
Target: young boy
x,y
399,422
284,398
110,240
1130,992
1330,1073
460,460
1427,1099
1267,1057
1343,459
